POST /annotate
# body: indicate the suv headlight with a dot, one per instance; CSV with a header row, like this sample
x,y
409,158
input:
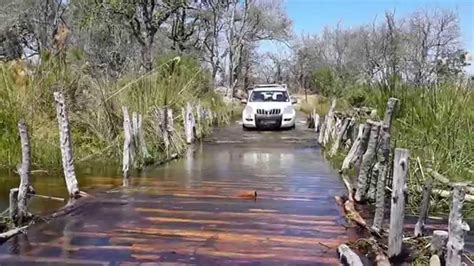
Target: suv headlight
x,y
288,110
248,110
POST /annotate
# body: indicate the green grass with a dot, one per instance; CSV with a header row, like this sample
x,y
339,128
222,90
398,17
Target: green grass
x,y
436,124
94,106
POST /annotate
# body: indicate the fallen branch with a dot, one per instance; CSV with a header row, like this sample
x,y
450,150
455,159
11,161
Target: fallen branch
x,y
46,197
444,180
6,235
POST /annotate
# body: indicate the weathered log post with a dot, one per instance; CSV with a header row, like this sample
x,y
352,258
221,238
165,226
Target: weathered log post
x,y
348,257
128,145
424,208
438,242
330,121
317,122
352,151
199,128
25,173
322,131
457,228
397,210
389,112
367,162
141,137
66,145
189,124
13,208
382,165
160,115
340,134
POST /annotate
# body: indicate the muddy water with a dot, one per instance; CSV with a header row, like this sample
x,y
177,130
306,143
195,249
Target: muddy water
x,y
196,210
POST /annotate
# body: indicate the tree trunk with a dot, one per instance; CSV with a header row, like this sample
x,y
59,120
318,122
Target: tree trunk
x,y
66,145
330,120
397,211
457,228
367,162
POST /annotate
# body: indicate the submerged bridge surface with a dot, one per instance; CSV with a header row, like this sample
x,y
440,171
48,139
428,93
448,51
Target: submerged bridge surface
x,y
195,210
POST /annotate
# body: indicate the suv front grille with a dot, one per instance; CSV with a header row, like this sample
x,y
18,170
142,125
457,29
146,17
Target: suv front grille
x,y
268,112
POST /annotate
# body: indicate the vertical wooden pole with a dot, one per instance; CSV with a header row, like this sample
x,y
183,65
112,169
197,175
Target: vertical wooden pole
x,y
128,146
367,162
340,134
189,124
356,160
397,210
389,112
438,242
141,138
25,173
330,120
383,161
352,151
424,208
13,209
66,145
322,131
199,128
317,122
457,228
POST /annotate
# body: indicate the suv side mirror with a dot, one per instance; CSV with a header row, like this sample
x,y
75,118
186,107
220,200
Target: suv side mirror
x,y
294,100
243,101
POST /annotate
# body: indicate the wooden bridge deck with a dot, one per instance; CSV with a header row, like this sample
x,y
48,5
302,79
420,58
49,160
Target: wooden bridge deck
x,y
191,211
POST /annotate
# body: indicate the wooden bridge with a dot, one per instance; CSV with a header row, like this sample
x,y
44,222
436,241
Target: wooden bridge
x,y
201,210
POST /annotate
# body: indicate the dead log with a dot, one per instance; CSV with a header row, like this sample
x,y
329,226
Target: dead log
x,y
128,145
389,112
424,208
25,174
382,165
66,145
353,214
397,211
340,134
367,162
12,232
438,242
348,257
440,178
457,228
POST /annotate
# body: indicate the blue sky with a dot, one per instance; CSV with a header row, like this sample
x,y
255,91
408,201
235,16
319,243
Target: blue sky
x,y
310,16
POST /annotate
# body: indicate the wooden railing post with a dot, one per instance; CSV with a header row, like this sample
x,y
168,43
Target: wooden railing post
x,y
389,111
13,205
397,210
128,145
340,134
189,124
367,162
329,121
438,242
457,228
25,173
382,165
424,208
66,145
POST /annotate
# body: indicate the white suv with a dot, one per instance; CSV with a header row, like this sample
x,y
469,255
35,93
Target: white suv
x,y
269,106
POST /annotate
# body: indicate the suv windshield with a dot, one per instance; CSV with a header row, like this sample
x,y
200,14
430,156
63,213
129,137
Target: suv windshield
x,y
269,96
